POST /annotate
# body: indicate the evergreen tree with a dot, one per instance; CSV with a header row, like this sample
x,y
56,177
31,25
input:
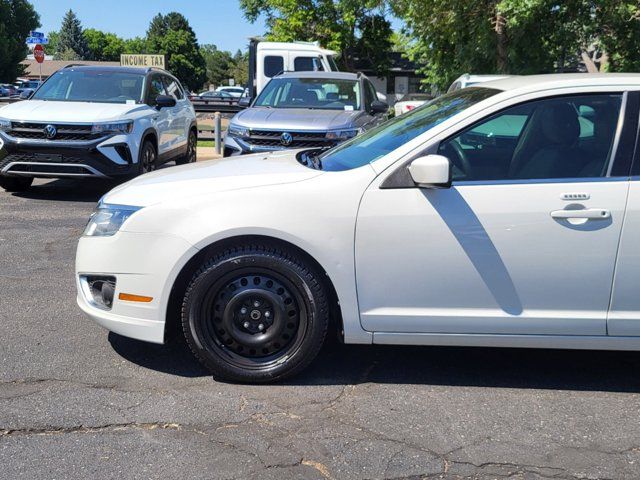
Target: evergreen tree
x,y
72,39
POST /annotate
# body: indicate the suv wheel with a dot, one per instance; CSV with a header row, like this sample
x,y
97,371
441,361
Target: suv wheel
x,y
15,184
148,158
192,144
255,313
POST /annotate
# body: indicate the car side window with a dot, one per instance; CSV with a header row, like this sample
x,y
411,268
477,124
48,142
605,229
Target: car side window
x,y
561,137
273,65
370,94
173,88
156,87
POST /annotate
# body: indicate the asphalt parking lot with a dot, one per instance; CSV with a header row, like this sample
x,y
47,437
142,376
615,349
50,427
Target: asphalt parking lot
x,y
78,402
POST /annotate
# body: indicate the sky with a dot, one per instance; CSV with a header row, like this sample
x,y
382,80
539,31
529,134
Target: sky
x,y
219,22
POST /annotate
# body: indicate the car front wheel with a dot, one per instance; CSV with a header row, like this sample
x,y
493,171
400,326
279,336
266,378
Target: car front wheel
x,y
255,313
15,184
148,160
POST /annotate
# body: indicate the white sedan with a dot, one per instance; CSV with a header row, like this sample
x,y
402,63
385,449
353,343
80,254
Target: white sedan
x,y
491,216
410,102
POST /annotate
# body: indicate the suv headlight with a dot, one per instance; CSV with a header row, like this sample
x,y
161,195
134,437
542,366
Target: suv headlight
x,y
5,125
238,131
107,219
115,127
343,134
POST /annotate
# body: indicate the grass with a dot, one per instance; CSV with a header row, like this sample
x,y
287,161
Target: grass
x,y
206,143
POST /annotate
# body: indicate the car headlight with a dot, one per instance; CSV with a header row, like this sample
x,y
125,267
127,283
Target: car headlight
x,y
116,127
342,134
238,131
5,125
107,219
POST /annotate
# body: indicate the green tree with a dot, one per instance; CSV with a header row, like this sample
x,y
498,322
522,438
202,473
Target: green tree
x,y
72,39
172,36
336,24
52,46
218,63
239,69
135,45
451,37
104,46
17,19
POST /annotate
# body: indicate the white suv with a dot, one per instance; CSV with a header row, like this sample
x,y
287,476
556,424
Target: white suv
x,y
88,121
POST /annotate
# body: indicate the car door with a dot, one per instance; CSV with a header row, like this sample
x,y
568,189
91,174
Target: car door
x,y
179,116
161,117
524,241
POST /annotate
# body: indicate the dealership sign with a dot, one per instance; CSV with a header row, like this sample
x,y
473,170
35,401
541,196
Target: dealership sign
x,y
134,60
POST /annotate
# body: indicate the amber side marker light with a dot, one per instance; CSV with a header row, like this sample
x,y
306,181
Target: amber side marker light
x,y
128,297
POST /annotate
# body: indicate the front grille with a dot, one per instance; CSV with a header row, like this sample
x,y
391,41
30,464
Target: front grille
x,y
65,132
51,169
270,138
39,158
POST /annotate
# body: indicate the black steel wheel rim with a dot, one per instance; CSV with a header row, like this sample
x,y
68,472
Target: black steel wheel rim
x,y
148,160
254,318
191,153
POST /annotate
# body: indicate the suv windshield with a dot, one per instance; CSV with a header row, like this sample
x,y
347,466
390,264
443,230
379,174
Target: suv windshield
x,y
316,93
384,139
92,86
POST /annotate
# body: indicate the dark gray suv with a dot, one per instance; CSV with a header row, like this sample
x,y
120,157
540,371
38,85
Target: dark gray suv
x,y
306,110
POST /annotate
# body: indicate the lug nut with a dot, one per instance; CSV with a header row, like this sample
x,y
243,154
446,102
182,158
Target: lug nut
x,y
256,304
243,310
267,314
246,324
261,327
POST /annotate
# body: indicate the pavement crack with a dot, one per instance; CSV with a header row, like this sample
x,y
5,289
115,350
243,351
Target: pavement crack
x,y
89,429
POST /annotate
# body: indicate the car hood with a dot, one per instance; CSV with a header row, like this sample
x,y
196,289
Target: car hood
x,y
81,112
213,176
296,119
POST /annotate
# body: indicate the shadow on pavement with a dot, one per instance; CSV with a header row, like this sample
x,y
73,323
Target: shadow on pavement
x,y
69,190
447,366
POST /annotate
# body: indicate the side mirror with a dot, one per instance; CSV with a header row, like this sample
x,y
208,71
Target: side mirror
x,y
431,171
164,101
25,95
379,107
244,102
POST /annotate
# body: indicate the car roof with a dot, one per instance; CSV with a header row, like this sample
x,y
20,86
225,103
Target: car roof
x,y
117,69
327,75
563,80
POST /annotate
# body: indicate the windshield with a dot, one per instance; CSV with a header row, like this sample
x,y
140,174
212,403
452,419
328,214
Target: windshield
x,y
384,139
315,93
92,86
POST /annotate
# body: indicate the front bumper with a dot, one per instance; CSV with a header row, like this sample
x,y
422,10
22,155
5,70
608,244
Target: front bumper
x,y
107,157
142,264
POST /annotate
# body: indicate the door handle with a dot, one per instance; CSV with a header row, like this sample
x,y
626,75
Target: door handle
x,y
587,213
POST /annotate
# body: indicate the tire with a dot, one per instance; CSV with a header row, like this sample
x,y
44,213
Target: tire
x,y
255,314
191,155
16,184
148,158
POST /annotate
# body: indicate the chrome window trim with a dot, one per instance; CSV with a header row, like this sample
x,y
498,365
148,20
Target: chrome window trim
x,y
463,183
619,128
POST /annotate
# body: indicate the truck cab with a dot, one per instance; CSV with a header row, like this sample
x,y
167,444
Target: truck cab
x,y
268,59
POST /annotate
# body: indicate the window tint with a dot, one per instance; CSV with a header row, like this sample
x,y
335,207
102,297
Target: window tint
x,y
307,64
173,88
156,87
563,137
273,65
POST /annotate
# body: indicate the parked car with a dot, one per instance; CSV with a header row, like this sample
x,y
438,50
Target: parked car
x,y
306,110
490,217
217,95
467,80
8,90
411,101
233,91
89,121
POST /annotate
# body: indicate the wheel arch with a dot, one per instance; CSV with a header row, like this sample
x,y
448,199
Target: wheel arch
x,y
150,135
178,289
